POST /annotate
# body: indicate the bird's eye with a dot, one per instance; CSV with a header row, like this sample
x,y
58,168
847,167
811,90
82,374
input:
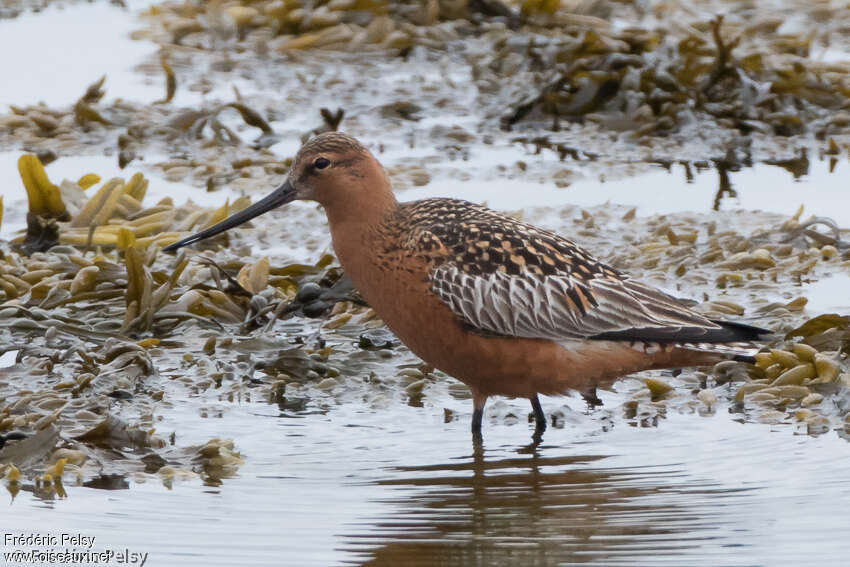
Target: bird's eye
x,y
321,163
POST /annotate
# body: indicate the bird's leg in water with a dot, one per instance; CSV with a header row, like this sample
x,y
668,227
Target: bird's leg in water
x,y
591,398
477,415
539,418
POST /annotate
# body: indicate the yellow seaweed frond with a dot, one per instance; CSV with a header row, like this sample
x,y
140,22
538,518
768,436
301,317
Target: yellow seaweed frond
x,y
88,180
219,215
137,187
99,208
44,198
126,239
170,81
547,7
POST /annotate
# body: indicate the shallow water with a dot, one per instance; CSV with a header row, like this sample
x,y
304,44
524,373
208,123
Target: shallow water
x,y
398,486
829,294
650,187
87,40
346,478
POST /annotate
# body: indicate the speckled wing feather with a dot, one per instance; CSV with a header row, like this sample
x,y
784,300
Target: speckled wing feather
x,y
502,276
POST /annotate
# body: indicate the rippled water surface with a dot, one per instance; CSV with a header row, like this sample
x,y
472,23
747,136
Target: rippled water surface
x,y
400,487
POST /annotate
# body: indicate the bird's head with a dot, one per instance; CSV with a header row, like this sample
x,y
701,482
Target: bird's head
x,y
333,169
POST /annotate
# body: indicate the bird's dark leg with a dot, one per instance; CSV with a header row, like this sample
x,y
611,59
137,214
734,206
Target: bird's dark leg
x,y
477,415
591,398
539,418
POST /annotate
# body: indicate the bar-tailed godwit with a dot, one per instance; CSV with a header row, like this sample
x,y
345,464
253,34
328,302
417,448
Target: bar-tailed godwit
x,y
507,308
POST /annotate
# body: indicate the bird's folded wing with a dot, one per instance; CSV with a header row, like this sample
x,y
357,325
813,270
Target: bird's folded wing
x,y
502,276
560,307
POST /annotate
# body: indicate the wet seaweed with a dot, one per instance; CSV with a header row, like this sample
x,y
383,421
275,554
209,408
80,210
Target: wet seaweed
x,y
196,122
575,67
170,81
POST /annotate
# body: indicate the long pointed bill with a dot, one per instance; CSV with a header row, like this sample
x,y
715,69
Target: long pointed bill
x,y
282,195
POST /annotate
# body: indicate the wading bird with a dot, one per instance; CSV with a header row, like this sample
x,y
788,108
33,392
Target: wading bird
x,y
507,308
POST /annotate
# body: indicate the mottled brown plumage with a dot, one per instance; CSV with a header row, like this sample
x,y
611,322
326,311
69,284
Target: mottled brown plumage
x,y
507,308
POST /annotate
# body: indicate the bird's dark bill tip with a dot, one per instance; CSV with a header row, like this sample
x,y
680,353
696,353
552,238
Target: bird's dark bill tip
x,y
280,196
182,242
176,246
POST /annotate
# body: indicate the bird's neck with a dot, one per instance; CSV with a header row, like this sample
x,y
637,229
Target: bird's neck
x,y
354,221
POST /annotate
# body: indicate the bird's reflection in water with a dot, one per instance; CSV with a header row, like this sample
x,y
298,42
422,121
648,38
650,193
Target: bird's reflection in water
x,y
531,509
